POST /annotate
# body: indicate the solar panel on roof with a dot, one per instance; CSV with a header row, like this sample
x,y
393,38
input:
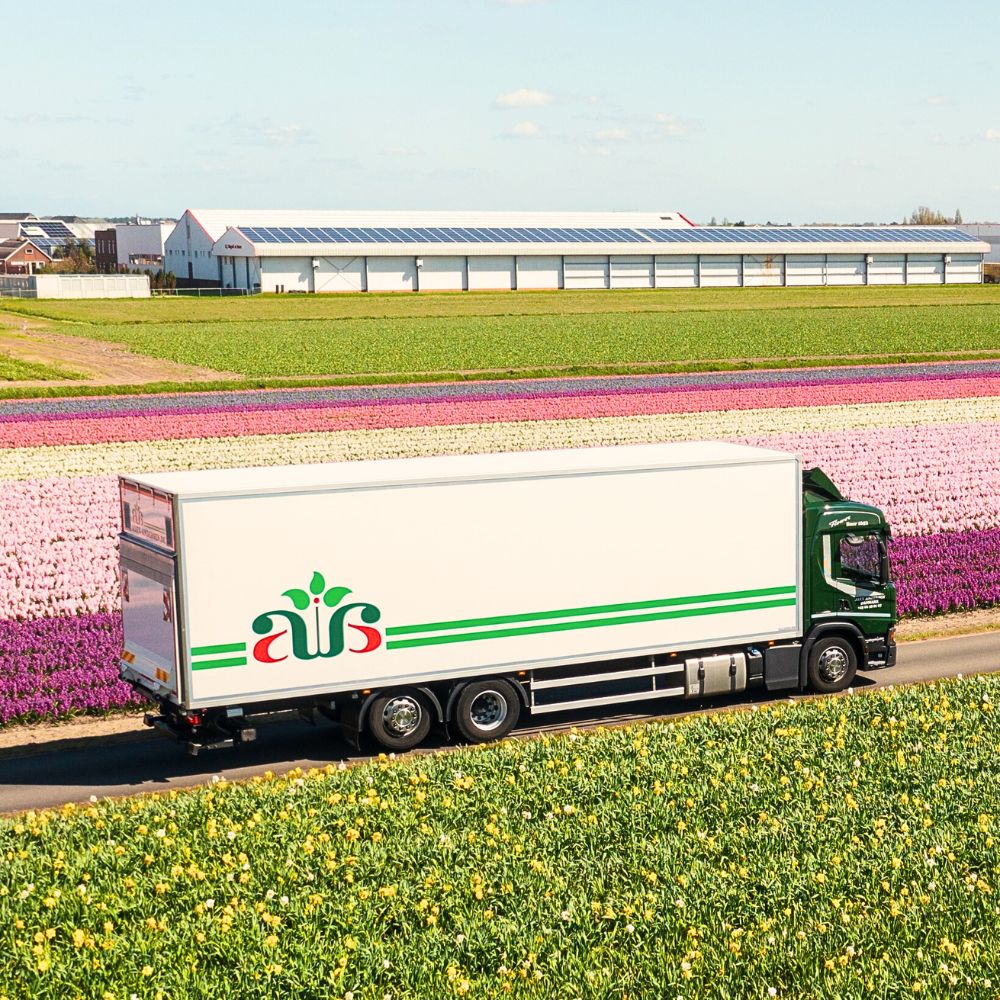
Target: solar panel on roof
x,y
723,235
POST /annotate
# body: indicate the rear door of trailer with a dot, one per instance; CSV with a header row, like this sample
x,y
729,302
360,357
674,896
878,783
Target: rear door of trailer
x,y
149,592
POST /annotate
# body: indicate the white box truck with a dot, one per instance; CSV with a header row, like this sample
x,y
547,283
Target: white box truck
x,y
391,595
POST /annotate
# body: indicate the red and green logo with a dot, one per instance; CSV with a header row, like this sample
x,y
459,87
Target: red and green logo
x,y
325,633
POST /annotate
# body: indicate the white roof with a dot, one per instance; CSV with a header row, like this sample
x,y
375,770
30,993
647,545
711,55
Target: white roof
x,y
215,221
444,468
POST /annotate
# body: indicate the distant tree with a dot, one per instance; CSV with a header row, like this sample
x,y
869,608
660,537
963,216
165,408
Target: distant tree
x,y
924,216
712,221
73,257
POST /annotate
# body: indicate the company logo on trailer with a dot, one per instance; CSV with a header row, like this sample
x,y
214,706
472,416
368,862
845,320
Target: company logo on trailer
x,y
323,633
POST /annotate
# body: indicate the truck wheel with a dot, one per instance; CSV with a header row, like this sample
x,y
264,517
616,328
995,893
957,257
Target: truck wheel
x,y
399,720
832,664
487,710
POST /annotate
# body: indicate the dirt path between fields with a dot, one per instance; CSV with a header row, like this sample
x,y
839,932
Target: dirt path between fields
x,y
99,362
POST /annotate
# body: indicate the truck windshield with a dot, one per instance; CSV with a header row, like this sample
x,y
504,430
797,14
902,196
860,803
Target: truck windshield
x,y
862,557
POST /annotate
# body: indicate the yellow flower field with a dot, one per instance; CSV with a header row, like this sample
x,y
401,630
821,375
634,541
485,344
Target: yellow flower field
x,y
838,847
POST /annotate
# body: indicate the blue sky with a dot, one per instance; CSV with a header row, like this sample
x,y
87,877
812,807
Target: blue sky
x,y
782,111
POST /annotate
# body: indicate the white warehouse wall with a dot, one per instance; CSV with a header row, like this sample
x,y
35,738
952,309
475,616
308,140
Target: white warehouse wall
x,y
187,251
595,271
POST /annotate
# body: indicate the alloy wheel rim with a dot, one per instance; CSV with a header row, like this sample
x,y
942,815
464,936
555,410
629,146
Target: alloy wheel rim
x,y
401,715
488,710
833,664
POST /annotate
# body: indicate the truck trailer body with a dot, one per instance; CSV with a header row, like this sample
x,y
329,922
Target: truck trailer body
x,y
392,594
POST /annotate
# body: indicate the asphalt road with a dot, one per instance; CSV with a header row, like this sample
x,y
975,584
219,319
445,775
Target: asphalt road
x,y
73,771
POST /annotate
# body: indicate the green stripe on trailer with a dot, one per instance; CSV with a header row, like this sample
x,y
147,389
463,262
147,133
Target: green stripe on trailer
x,y
504,633
234,661
596,609
226,647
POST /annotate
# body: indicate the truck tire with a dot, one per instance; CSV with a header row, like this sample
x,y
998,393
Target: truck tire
x,y
487,710
832,664
399,720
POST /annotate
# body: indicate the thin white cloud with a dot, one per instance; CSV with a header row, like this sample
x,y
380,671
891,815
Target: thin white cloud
x,y
400,151
612,134
993,134
283,135
936,101
524,130
246,131
524,98
672,125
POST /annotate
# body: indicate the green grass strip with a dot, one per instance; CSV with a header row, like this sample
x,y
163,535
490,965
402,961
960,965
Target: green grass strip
x,y
504,633
594,609
235,661
226,647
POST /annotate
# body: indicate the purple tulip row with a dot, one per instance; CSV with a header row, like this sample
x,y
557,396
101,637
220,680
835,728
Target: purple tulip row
x,y
54,667
957,570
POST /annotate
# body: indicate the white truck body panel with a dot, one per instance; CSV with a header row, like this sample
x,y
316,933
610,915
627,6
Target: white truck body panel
x,y
468,565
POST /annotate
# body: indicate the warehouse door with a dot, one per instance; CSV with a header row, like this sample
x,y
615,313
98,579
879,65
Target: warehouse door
x,y
586,272
963,268
539,272
632,272
679,271
764,269
491,273
720,271
339,274
805,269
392,274
845,269
887,269
925,269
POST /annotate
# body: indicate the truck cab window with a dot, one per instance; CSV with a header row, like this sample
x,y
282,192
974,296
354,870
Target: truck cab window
x,y
861,557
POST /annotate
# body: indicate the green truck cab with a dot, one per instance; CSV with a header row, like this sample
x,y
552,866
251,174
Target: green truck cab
x,y
849,599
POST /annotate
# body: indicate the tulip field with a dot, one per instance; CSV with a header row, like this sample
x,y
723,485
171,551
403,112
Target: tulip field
x,y
922,441
840,847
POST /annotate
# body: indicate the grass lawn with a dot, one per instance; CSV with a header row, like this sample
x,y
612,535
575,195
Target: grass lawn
x,y
13,370
841,847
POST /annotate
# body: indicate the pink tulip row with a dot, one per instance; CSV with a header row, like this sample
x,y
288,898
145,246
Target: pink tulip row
x,y
259,418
